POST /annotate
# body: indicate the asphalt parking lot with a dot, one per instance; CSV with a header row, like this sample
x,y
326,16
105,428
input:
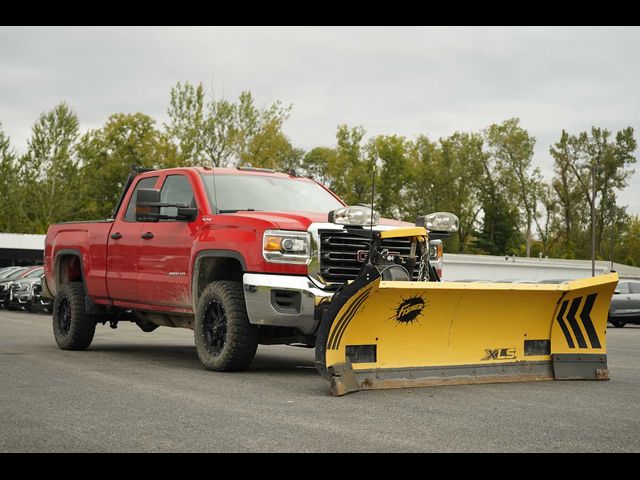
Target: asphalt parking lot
x,y
147,392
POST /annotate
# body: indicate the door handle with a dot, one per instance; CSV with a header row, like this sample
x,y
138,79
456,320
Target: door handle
x,y
147,235
116,236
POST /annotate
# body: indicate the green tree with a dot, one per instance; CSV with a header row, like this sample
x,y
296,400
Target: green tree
x,y
222,133
572,204
512,148
579,158
108,153
351,171
260,141
499,234
627,241
318,163
391,153
11,213
204,132
446,178
49,170
547,223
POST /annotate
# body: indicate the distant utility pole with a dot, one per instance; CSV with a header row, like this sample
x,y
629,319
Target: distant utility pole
x,y
611,248
593,218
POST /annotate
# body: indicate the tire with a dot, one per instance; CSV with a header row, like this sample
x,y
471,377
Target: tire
x,y
618,323
73,329
225,340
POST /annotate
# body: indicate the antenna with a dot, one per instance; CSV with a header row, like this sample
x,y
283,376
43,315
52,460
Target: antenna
x,y
215,189
373,195
373,191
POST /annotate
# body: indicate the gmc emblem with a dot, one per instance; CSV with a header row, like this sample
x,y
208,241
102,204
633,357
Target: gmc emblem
x,y
361,255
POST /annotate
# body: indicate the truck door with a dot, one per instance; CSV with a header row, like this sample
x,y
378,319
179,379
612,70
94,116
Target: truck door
x,y
122,249
164,270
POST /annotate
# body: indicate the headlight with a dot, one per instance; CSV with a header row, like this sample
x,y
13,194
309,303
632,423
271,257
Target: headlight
x,y
439,222
282,246
356,215
435,249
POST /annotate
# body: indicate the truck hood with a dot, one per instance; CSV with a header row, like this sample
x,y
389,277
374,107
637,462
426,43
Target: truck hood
x,y
301,220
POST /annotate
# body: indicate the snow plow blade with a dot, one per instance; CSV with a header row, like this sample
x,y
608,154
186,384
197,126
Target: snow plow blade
x,y
397,334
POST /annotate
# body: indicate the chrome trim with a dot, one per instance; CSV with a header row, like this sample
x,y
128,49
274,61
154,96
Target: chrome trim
x,y
314,264
257,296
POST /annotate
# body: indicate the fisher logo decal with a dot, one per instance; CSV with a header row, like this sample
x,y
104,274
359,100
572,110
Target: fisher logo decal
x,y
499,354
574,322
409,310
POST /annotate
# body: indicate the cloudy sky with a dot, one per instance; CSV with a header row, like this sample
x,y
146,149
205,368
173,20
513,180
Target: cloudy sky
x,y
389,80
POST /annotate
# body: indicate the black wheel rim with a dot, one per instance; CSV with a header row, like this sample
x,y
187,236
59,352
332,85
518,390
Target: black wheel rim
x,y
215,328
64,316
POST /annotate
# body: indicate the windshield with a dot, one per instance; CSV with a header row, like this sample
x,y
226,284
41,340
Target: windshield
x,y
36,273
8,272
261,192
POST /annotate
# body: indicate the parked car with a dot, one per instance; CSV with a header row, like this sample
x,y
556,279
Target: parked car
x,y
6,283
21,296
625,304
7,271
40,303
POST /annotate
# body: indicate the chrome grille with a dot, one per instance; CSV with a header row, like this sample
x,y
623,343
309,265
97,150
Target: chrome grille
x,y
339,251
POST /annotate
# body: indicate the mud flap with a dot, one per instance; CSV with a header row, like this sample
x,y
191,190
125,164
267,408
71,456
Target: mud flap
x,y
388,334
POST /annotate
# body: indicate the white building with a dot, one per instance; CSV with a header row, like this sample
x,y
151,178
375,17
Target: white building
x,y
489,267
21,249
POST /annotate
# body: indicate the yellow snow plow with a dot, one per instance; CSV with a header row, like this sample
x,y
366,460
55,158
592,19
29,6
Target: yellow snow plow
x,y
385,331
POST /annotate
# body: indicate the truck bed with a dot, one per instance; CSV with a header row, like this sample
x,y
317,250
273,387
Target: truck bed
x,y
89,241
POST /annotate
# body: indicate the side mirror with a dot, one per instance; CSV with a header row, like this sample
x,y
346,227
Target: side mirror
x,y
616,292
148,205
188,214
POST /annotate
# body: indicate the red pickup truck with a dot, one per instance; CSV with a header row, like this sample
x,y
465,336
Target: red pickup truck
x,y
242,256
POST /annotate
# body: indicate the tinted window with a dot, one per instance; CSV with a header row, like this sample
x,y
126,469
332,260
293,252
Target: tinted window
x,y
8,272
149,182
176,189
634,287
623,287
17,274
36,273
263,192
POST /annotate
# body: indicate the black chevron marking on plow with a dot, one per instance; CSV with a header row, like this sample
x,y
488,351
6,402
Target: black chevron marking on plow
x,y
339,322
346,318
563,325
571,317
347,321
585,316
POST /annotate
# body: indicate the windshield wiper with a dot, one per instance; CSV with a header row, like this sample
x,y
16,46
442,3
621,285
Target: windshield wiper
x,y
234,210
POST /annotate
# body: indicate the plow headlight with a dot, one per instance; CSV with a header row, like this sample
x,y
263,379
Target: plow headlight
x,y
439,222
282,246
355,215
